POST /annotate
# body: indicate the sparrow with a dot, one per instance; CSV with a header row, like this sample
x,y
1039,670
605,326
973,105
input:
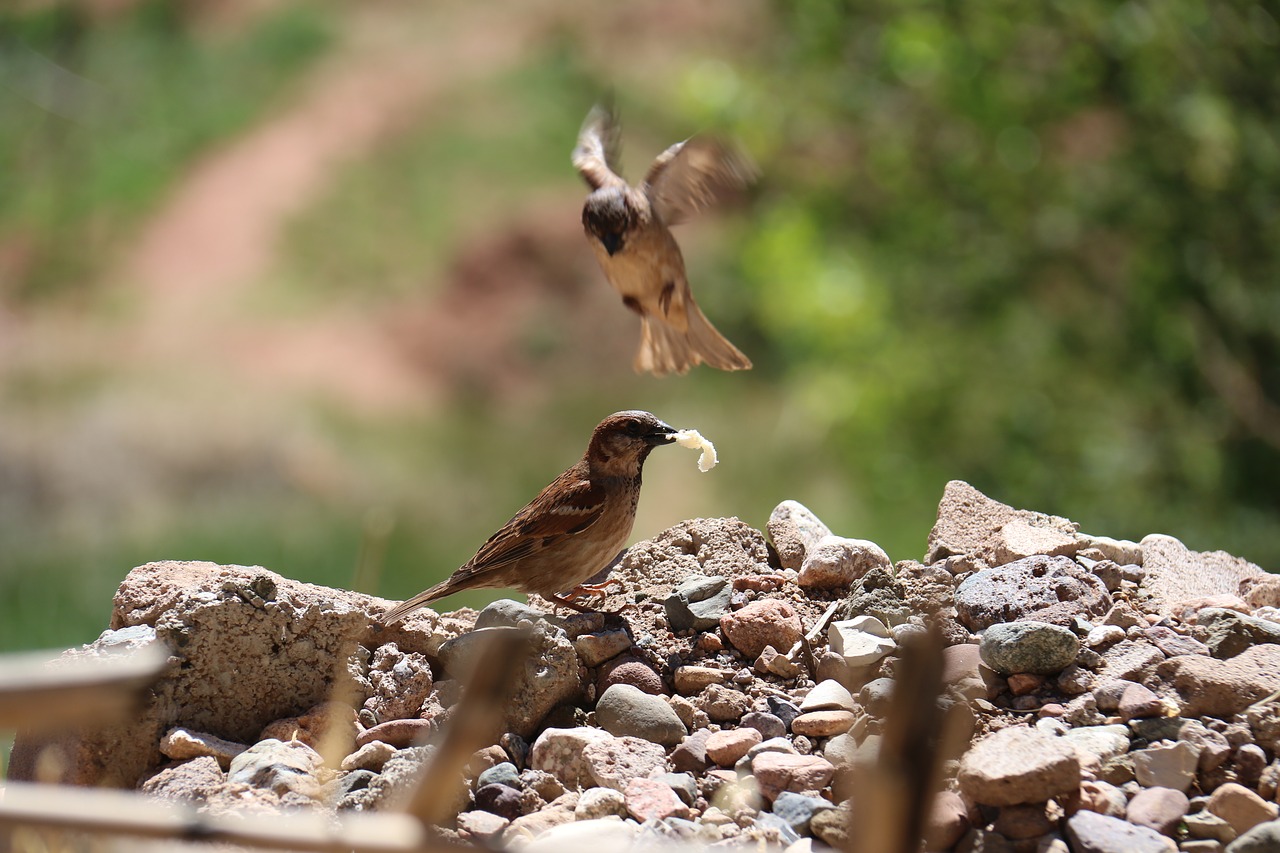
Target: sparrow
x,y
629,230
574,527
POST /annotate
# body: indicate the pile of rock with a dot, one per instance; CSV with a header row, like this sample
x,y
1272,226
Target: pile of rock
x,y
1120,696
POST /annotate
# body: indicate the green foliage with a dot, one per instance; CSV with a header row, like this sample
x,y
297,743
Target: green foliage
x,y
101,117
1012,244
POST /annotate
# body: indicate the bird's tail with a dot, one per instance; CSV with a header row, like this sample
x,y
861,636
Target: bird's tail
x,y
666,349
406,607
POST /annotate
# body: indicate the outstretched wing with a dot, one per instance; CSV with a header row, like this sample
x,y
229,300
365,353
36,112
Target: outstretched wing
x,y
597,149
693,174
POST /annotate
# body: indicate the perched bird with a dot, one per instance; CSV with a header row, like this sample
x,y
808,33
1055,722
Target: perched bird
x,y
573,528
629,229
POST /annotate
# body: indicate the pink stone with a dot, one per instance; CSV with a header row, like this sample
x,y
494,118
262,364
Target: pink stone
x,y
725,748
762,623
649,799
776,772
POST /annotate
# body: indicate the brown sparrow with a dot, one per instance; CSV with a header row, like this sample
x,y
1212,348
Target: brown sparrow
x,y
629,229
572,529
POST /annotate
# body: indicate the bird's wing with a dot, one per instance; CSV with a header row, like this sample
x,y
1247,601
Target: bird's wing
x,y
597,149
693,174
568,506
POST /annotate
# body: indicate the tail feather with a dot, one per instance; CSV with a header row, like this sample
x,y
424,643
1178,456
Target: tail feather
x,y
666,349
406,607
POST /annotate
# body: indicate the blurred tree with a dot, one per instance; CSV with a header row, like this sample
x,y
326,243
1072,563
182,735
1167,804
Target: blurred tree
x,y
1034,247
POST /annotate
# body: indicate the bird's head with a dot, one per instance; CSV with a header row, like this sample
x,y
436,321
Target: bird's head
x,y
608,215
623,441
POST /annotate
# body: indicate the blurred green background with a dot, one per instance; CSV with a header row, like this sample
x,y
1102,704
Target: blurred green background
x,y
304,285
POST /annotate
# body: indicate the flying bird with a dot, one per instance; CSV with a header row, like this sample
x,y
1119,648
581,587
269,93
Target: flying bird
x,y
574,528
629,230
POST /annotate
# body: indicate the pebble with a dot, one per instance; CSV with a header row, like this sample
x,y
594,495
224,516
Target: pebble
x,y
482,826
697,603
1103,798
611,763
372,756
633,672
1240,807
787,711
832,826
1230,633
502,800
693,679
1160,809
1166,765
1207,825
768,725
861,641
626,710
822,723
722,704
650,799
835,562
1173,644
875,696
770,622
690,756
947,822
776,772
1052,589
726,747
606,833
797,810
1137,702
559,753
1104,636
1263,838
181,744
595,649
398,733
1028,647
1089,832
280,766
1018,765
600,802
1215,688
828,696
794,529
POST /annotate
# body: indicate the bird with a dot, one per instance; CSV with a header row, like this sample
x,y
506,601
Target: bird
x,y
629,229
575,527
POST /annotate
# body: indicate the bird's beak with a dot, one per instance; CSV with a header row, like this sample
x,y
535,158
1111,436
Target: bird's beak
x,y
612,242
662,434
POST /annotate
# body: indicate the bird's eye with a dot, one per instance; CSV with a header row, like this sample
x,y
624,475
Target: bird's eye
x,y
635,428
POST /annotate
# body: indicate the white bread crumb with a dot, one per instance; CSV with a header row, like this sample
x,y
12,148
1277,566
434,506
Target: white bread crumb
x,y
693,439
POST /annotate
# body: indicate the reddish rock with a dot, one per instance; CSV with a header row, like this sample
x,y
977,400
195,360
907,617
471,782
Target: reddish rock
x,y
398,733
649,799
822,723
725,748
776,772
762,623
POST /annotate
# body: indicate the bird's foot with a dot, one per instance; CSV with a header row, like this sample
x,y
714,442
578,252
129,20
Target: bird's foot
x,y
591,590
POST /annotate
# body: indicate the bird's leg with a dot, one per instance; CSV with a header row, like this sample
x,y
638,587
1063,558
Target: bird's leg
x,y
590,590
567,602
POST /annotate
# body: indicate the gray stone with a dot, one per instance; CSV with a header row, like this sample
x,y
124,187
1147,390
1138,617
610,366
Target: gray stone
x,y
595,649
279,767
1175,573
782,709
685,786
508,613
860,641
1160,809
1028,646
797,810
1096,745
1230,633
837,562
875,695
768,725
697,603
1131,660
614,762
626,710
794,529
1048,589
877,594
504,773
1090,832
559,753
1166,765
1263,838
828,695
600,802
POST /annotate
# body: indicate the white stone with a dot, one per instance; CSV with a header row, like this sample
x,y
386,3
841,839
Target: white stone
x,y
859,646
829,695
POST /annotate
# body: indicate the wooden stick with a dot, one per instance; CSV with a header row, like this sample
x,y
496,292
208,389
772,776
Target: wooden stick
x,y
39,691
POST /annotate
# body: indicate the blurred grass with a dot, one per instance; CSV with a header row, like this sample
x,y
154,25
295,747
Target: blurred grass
x,y
100,118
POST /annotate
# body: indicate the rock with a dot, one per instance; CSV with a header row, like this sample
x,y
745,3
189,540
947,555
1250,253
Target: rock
x,y
797,810
1018,765
1137,702
691,755
625,710
611,763
836,562
1047,589
1209,687
822,723
314,726
1263,838
768,725
279,767
555,814
1018,539
1230,633
698,603
832,826
631,671
1166,766
649,799
548,678
793,530
878,594
214,620
771,661
1131,660
502,800
509,613
1240,807
685,786
1173,644
1096,745
692,679
595,649
372,756
1028,647
1103,636
180,744
782,709
192,781
481,827
860,641
1119,551
726,747
1261,590
874,697
828,696
398,733
1207,825
776,772
1103,798
559,752
1175,573
770,622
722,704
600,802
947,822
971,524
1160,809
607,833
1090,832
503,773
546,786
401,683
